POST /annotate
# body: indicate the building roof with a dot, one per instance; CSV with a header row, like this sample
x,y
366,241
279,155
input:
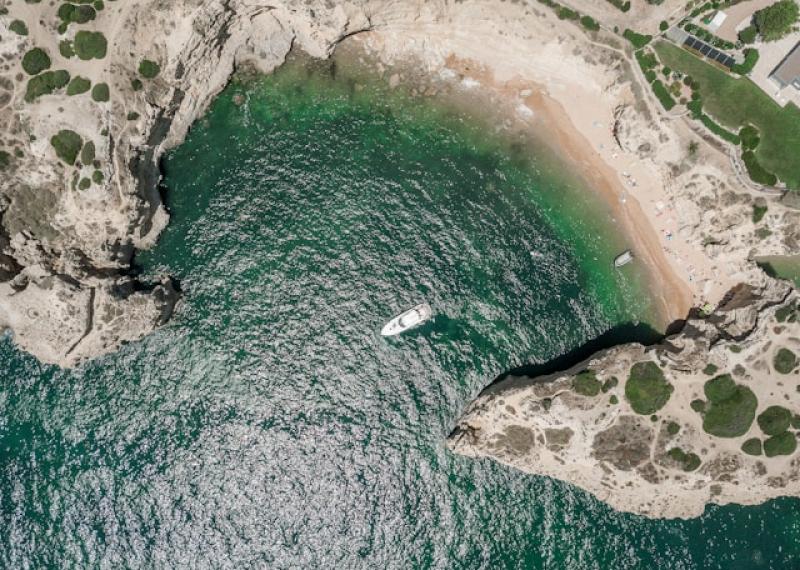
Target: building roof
x,y
788,70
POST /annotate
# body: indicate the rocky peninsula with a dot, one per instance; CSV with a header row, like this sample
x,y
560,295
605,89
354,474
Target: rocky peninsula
x,y
91,96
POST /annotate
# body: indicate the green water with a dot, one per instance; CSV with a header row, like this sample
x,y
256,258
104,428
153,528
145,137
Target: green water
x,y
269,426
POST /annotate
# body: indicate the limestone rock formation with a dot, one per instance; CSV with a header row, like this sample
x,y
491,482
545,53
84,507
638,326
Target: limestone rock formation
x,y
602,425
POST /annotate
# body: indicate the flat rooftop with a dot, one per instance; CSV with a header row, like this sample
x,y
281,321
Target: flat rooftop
x,y
788,70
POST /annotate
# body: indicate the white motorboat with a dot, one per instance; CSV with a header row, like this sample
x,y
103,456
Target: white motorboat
x,y
623,258
403,322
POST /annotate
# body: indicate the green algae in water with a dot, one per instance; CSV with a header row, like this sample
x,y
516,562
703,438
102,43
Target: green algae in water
x,y
268,425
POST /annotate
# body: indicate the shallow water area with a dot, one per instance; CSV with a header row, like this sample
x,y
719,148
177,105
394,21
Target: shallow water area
x,y
269,425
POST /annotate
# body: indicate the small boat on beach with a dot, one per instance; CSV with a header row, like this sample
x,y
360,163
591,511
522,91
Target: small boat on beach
x,y
408,320
623,258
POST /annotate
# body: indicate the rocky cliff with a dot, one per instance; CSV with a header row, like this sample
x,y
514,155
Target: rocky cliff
x,y
709,415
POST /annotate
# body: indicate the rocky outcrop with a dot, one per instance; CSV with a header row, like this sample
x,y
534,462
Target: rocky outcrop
x,y
661,460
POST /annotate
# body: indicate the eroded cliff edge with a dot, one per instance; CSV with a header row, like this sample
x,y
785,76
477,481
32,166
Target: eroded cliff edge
x,y
709,415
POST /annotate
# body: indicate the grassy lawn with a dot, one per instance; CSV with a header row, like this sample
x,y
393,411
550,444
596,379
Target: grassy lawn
x,y
736,102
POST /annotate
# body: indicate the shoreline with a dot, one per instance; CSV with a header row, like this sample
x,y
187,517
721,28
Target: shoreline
x,y
539,116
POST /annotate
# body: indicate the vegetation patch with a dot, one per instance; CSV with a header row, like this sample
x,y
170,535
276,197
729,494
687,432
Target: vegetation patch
x,y
610,384
90,45
774,420
586,383
673,428
752,446
647,390
738,102
731,407
18,27
100,93
638,40
35,61
663,95
78,85
88,153
750,60
782,444
688,461
784,361
149,69
698,406
76,14
45,84
5,160
67,145
710,369
777,20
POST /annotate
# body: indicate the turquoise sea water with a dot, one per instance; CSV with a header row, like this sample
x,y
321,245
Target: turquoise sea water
x,y
269,426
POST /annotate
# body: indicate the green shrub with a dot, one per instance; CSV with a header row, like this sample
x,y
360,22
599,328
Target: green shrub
x,y
748,35
785,361
647,59
756,172
613,400
774,420
647,390
749,137
688,461
78,85
718,130
610,384
710,369
586,384
750,60
88,153
97,177
67,145
100,93
18,27
149,69
35,61
759,212
638,40
132,115
84,184
796,421
782,444
72,14
698,406
5,160
752,446
673,428
136,84
731,407
90,45
663,26
784,313
777,20
65,49
45,84
564,13
663,95
589,23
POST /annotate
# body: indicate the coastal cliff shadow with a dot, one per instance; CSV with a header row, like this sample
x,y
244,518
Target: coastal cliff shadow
x,y
623,334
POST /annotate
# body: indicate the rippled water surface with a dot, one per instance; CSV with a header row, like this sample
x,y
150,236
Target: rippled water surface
x,y
268,425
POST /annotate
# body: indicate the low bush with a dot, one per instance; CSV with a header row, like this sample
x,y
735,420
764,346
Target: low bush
x,y
638,40
589,23
774,420
782,444
88,153
750,60
647,390
5,160
18,27
586,384
45,84
688,461
67,145
100,93
748,35
35,61
719,130
759,212
749,137
90,45
673,428
78,85
785,361
663,95
731,407
710,369
752,446
757,172
149,69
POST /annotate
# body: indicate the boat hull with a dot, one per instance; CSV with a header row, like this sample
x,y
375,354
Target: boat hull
x,y
408,320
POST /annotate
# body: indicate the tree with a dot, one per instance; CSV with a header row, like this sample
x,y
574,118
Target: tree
x,y
776,21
